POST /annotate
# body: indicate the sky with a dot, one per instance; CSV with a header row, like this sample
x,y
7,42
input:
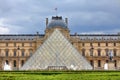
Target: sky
x,y
84,16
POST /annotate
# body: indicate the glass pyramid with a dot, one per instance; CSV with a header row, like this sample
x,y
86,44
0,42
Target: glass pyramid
x,y
56,53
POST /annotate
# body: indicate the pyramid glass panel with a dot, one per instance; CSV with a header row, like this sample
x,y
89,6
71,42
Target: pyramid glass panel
x,y
56,53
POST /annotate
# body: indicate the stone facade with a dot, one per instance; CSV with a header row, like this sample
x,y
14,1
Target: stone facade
x,y
17,49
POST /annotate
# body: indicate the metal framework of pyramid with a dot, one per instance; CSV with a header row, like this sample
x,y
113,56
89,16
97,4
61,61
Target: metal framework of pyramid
x,y
56,53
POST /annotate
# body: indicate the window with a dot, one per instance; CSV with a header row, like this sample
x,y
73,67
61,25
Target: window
x,y
114,44
83,52
106,44
91,62
106,61
7,62
14,52
91,50
115,63
83,44
0,53
30,44
91,44
22,52
99,44
99,52
6,53
114,52
6,44
22,62
14,44
31,52
99,63
106,50
22,44
14,63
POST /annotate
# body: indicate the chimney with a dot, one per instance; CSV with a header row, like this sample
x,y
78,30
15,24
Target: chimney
x,y
46,21
76,34
37,33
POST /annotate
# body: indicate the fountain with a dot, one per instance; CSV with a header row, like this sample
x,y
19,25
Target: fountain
x,y
7,67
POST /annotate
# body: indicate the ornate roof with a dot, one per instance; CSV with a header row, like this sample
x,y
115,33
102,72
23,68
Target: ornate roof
x,y
114,37
20,36
57,22
98,37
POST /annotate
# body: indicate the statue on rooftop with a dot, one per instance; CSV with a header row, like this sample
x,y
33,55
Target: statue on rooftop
x,y
110,54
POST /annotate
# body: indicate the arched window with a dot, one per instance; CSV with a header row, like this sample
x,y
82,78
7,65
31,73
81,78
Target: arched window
x,y
91,62
14,63
106,61
31,52
23,54
6,53
115,63
99,63
15,52
83,52
22,62
98,44
91,44
83,44
114,44
14,44
0,53
7,62
99,52
106,44
22,44
30,44
6,44
106,51
114,52
91,50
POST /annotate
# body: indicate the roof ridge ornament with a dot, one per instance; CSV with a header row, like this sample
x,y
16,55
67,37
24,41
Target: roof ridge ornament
x,y
57,21
56,17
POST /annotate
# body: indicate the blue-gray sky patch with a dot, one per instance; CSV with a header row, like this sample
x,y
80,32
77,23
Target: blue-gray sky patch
x,y
85,16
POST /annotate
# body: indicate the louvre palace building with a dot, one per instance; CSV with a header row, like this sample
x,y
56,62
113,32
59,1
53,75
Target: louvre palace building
x,y
58,49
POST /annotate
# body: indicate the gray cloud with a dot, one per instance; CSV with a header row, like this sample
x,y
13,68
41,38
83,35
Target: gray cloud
x,y
28,16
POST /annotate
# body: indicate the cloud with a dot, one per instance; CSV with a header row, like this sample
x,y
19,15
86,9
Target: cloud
x,y
28,16
4,30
